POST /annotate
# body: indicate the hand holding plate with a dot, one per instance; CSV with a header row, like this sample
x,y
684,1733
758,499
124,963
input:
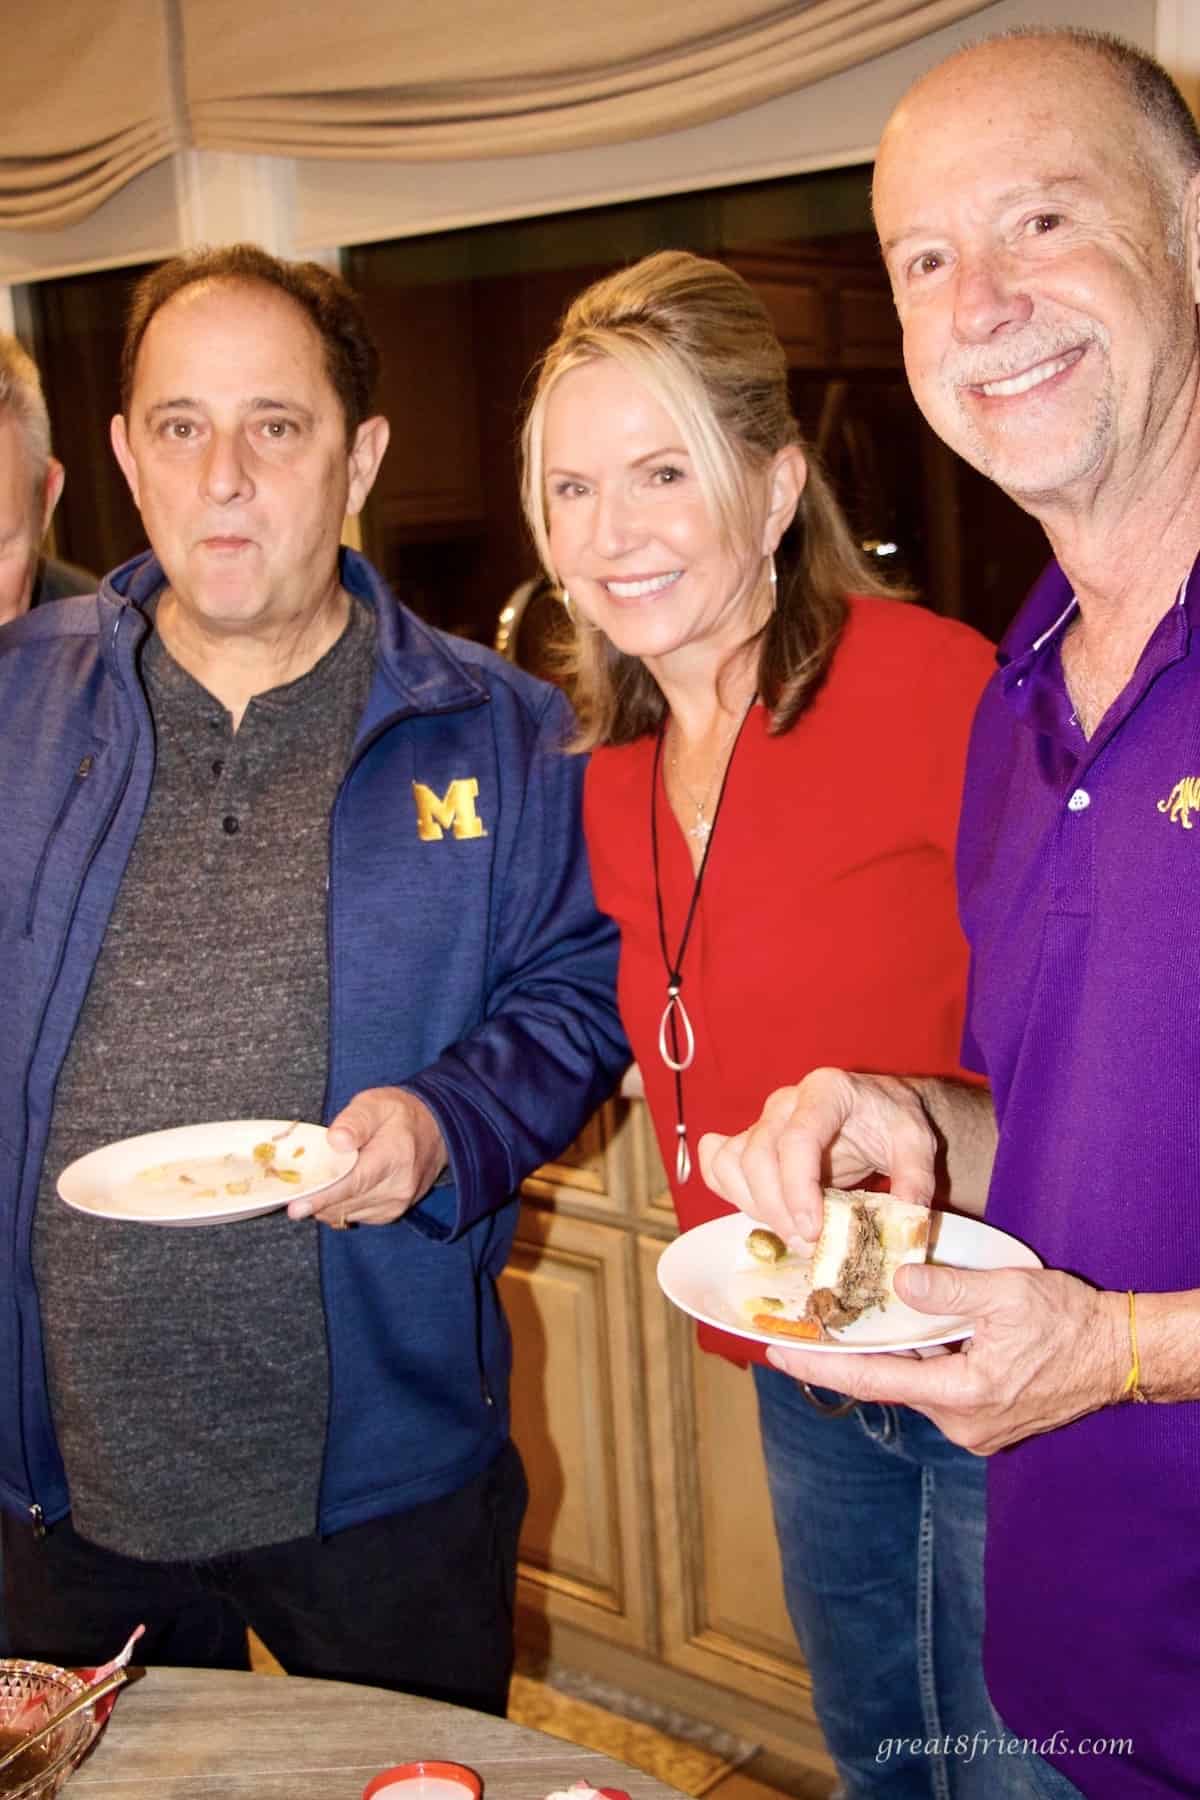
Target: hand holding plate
x,y
400,1156
1046,1349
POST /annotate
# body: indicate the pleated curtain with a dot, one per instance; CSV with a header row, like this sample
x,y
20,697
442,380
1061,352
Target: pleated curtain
x,y
89,97
95,90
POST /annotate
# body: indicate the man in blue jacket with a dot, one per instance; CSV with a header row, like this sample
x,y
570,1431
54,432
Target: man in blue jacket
x,y
31,480
275,849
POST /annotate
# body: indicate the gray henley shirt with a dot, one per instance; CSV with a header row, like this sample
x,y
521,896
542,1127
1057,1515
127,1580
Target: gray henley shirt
x,y
188,1368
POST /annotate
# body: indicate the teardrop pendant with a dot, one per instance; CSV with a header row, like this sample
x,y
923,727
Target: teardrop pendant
x,y
675,1014
676,1037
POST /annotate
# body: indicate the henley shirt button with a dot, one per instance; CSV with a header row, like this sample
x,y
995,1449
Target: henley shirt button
x,y
230,824
1080,800
218,765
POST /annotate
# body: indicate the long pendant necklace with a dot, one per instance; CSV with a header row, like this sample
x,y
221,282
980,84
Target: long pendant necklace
x,y
676,1038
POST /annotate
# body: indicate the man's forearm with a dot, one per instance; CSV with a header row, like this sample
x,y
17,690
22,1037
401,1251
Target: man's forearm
x,y
964,1122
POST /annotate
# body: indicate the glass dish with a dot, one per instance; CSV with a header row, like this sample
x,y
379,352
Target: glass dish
x,y
22,1685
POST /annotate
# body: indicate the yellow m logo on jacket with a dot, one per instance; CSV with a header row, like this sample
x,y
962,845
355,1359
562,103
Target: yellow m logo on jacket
x,y
455,811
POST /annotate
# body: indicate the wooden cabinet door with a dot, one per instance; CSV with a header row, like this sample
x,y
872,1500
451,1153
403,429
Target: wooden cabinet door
x,y
649,1523
722,1607
586,1551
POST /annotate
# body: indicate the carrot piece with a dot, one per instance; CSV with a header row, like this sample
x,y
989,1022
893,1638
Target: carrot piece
x,y
796,1328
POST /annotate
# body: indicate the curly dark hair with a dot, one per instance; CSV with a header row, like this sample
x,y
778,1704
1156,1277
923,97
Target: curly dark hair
x,y
351,358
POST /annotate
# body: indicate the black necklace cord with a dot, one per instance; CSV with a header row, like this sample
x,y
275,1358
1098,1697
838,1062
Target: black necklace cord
x,y
676,1038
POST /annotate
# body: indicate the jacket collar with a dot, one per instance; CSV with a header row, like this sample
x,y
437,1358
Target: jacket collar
x,y
418,663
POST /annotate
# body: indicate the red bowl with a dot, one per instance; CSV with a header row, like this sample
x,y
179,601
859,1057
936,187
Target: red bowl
x,y
465,1779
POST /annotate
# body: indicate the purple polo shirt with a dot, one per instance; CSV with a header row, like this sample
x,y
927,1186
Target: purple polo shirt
x,y
1079,879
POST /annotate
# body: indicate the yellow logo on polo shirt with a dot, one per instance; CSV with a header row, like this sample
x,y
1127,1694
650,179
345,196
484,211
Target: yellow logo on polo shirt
x,y
455,811
1182,801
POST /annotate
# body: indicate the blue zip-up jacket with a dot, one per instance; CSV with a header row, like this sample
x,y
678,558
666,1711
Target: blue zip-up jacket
x,y
469,966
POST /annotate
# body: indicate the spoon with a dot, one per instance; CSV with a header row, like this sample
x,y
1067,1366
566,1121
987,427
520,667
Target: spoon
x,y
64,1712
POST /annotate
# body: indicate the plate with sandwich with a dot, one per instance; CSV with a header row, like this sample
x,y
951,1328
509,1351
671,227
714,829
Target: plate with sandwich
x,y
740,1277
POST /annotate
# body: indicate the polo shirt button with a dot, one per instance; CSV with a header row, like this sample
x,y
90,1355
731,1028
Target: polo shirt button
x,y
229,824
1080,800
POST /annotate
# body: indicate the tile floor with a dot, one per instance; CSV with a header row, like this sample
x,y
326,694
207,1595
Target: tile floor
x,y
768,1778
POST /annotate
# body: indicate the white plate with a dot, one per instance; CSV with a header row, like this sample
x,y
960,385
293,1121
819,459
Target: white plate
x,y
139,1179
706,1269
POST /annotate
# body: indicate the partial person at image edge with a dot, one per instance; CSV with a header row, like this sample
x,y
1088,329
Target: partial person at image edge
x,y
31,483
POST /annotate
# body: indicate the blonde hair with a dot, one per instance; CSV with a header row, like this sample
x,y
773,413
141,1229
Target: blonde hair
x,y
695,334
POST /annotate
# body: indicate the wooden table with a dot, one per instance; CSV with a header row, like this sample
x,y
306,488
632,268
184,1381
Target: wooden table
x,y
201,1734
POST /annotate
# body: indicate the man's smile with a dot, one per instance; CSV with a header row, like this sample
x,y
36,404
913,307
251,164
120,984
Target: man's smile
x,y
1008,387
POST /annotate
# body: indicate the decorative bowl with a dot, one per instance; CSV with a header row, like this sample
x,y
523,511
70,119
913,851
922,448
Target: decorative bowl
x,y
29,1692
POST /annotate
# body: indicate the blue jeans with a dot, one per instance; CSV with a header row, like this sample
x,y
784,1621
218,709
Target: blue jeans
x,y
1042,1780
880,1524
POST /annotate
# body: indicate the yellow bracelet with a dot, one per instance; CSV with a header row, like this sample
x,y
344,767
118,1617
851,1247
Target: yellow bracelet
x,y
1132,1389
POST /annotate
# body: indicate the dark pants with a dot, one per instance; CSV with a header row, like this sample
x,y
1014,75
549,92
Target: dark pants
x,y
421,1601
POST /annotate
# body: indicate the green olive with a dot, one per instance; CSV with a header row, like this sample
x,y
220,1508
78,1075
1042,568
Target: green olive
x,y
765,1246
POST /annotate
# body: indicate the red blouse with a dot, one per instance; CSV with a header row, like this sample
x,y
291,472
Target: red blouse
x,y
826,931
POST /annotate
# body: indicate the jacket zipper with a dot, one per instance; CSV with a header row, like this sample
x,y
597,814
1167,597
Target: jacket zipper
x,y
368,743
81,775
86,765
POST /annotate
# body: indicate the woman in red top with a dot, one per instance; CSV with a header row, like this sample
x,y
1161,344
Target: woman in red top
x,y
771,807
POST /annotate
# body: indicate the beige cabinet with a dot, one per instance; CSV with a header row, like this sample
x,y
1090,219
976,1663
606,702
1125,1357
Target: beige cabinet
x,y
648,1556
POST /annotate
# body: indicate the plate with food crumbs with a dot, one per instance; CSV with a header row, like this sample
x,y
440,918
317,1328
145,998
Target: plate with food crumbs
x,y
735,1275
204,1174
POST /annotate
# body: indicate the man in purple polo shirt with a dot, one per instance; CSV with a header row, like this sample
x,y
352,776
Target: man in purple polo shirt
x,y
1037,201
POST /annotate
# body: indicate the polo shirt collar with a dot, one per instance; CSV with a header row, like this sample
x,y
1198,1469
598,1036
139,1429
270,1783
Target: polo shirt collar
x,y
1049,603
1030,657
